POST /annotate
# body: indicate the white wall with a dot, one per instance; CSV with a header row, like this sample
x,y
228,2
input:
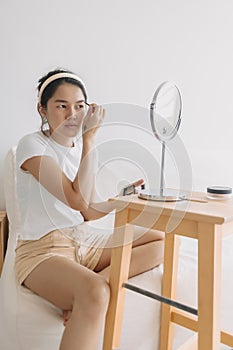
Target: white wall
x,y
123,50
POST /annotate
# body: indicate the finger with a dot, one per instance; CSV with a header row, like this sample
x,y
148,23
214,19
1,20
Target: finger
x,y
95,108
103,113
93,104
90,111
138,182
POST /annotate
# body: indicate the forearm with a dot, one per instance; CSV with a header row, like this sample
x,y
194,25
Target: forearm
x,y
98,210
85,178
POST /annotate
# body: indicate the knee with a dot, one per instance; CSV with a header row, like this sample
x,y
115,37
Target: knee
x,y
96,298
99,292
158,235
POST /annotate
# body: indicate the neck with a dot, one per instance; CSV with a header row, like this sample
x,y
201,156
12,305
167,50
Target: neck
x,y
60,139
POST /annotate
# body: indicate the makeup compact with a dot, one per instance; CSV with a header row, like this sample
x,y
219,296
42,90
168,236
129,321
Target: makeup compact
x,y
219,192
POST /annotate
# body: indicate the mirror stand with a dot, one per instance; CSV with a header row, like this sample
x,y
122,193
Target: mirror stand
x,y
162,195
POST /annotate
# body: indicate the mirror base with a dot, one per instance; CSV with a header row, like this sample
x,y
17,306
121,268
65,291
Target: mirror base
x,y
168,196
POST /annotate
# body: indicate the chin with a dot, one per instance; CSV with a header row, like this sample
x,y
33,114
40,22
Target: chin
x,y
70,132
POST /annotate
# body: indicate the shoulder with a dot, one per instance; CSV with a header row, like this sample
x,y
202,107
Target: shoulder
x,y
32,139
34,144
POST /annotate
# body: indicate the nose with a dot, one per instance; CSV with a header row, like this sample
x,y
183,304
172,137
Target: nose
x,y
71,112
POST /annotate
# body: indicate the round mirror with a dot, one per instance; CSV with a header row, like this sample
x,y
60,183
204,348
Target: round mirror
x,y
165,111
165,118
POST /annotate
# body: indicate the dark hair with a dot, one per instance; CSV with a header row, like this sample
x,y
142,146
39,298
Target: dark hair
x,y
52,87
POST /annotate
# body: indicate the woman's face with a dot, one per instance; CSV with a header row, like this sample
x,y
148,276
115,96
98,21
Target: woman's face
x,y
65,112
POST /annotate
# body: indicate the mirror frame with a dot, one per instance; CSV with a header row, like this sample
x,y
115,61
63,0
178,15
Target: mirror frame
x,y
153,110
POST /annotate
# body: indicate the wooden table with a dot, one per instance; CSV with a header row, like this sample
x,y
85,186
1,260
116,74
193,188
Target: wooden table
x,y
3,237
207,221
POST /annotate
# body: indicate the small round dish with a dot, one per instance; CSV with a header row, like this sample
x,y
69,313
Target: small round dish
x,y
219,192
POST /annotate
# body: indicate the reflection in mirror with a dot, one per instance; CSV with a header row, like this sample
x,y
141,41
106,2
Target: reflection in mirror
x,y
165,111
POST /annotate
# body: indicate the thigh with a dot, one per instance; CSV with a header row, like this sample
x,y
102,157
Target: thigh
x,y
142,236
60,280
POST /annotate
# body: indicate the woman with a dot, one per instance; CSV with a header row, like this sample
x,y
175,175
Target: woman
x,y
56,256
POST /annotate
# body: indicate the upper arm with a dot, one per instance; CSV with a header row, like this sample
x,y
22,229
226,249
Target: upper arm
x,y
46,171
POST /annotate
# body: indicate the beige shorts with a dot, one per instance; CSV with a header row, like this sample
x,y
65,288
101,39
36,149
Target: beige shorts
x,y
76,244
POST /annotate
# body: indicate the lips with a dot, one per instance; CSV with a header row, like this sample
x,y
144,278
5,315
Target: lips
x,y
71,125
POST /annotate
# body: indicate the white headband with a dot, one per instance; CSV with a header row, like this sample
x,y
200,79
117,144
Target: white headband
x,y
55,77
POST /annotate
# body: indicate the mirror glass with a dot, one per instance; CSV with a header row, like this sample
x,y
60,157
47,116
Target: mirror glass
x,y
165,111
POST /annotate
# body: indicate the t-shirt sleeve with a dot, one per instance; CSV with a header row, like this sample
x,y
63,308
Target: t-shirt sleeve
x,y
32,145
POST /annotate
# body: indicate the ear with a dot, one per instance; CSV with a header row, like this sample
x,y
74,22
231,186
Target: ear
x,y
41,110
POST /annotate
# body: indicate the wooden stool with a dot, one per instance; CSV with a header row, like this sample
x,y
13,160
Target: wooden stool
x,y
205,221
209,249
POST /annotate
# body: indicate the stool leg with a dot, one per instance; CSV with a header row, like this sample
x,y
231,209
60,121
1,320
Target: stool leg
x,y
119,270
171,252
209,285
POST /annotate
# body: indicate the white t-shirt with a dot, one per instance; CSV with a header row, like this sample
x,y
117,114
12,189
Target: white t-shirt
x,y
41,212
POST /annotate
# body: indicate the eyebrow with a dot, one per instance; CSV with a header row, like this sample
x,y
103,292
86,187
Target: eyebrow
x,y
60,100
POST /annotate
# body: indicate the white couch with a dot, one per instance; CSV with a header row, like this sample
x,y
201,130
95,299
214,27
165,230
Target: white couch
x,y
28,322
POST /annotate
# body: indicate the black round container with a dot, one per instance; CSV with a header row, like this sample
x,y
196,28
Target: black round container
x,y
219,192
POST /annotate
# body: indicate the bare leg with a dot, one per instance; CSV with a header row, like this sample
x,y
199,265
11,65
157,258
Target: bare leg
x,y
147,253
70,286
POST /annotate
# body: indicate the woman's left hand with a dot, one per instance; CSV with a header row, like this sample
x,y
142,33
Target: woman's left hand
x,y
130,189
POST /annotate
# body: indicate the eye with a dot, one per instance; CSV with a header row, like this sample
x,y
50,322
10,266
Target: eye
x,y
61,106
78,107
